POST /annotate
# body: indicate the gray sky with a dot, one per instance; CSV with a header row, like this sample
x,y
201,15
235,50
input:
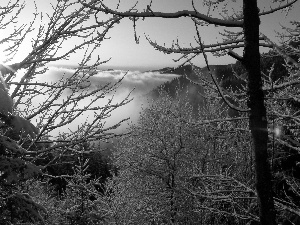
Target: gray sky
x,y
167,30
125,53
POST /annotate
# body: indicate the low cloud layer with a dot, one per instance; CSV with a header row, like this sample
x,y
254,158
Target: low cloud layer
x,y
141,82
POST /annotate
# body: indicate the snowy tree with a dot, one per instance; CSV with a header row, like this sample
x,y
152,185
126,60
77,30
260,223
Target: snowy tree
x,y
81,199
174,170
36,114
248,37
152,163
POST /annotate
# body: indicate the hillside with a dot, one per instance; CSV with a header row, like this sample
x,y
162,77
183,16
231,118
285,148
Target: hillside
x,y
193,92
225,75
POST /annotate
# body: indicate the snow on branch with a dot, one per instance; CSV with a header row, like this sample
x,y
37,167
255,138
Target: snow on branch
x,y
272,10
150,13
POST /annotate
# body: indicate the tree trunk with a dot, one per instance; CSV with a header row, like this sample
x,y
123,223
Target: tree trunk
x,y
258,119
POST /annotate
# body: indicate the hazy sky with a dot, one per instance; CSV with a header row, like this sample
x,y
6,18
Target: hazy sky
x,y
125,53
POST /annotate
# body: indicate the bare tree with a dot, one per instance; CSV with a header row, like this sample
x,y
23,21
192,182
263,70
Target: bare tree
x,y
175,171
249,38
35,111
154,162
71,28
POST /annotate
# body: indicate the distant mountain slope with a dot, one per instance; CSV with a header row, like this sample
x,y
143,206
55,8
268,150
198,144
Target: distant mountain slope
x,y
230,77
193,92
182,85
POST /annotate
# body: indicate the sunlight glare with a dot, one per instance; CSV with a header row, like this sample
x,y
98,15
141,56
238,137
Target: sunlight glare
x,y
277,131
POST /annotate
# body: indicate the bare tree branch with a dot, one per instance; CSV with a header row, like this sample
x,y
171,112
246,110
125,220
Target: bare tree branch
x,y
150,13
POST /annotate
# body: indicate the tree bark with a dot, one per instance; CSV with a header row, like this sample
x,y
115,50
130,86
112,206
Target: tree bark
x,y
258,118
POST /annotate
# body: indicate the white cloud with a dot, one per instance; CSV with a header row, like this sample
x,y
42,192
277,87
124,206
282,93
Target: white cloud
x,y
143,82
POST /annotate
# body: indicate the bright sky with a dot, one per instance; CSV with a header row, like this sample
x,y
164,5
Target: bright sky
x,y
125,53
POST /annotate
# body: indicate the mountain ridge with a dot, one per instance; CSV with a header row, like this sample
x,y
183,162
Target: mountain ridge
x,y
193,92
229,76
